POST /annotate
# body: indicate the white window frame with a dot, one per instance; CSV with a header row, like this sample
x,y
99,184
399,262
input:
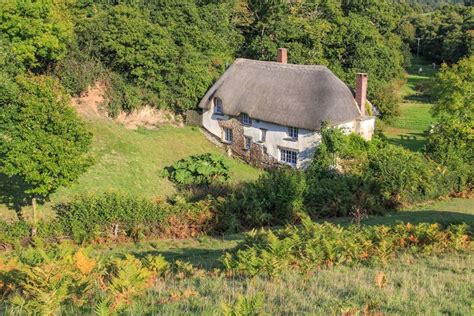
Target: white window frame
x,y
217,106
228,135
245,119
289,156
293,132
247,142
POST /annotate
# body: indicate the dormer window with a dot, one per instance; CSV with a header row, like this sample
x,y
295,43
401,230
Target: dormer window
x,y
293,132
218,106
245,119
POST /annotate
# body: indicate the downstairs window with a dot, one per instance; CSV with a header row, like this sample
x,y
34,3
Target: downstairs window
x,y
228,135
289,156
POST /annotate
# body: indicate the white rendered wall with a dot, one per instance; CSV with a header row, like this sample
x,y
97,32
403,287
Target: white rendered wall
x,y
367,127
276,137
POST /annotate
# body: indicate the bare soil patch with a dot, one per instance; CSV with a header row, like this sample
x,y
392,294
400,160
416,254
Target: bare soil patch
x,y
92,104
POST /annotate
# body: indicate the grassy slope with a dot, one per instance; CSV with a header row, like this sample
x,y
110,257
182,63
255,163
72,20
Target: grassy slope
x,y
415,118
131,161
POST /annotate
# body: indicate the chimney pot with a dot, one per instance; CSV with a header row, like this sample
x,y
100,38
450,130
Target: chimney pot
x,y
282,55
361,91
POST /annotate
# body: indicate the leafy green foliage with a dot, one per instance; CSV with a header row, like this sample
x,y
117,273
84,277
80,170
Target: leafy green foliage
x,y
311,246
63,275
39,32
173,49
202,169
446,34
243,306
43,140
348,172
114,216
450,141
275,198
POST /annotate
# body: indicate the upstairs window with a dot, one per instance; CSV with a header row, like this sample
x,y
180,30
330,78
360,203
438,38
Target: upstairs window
x,y
289,156
218,106
293,132
245,119
263,136
228,135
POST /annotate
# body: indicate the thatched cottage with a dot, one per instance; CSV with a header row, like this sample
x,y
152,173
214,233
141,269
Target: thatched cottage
x,y
272,112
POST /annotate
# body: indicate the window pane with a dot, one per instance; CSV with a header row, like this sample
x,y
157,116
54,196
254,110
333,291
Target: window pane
x,y
293,132
248,142
217,105
289,156
228,136
246,119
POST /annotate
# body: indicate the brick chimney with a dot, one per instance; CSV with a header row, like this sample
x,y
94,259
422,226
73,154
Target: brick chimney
x,y
361,91
282,55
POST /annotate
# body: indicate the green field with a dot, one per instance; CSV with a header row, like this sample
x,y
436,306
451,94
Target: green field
x,y
131,161
415,118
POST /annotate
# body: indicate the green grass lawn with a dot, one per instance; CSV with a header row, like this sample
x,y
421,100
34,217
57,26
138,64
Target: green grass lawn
x,y
415,118
131,161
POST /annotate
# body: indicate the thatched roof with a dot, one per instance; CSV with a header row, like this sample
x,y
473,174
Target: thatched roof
x,y
292,95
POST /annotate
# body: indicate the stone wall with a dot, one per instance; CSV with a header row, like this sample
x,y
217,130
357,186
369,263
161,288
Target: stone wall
x,y
255,155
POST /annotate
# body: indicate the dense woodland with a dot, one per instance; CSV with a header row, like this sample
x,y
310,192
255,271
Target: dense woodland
x,y
168,53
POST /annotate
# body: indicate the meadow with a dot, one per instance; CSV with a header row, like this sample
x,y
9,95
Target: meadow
x,y
409,128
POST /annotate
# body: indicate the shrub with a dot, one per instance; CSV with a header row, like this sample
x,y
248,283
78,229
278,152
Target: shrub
x,y
77,71
66,276
275,198
13,234
100,216
348,172
401,176
199,170
311,246
113,215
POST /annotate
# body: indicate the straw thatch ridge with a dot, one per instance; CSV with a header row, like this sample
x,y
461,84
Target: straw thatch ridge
x,y
302,96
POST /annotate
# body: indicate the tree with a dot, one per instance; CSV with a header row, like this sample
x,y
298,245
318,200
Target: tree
x,y
451,139
43,142
446,34
454,91
39,31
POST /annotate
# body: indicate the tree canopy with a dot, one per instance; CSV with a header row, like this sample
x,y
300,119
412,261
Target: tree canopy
x,y
451,140
168,53
42,140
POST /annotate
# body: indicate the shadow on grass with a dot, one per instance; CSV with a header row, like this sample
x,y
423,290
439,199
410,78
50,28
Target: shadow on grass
x,y
421,98
206,259
411,141
12,192
414,217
